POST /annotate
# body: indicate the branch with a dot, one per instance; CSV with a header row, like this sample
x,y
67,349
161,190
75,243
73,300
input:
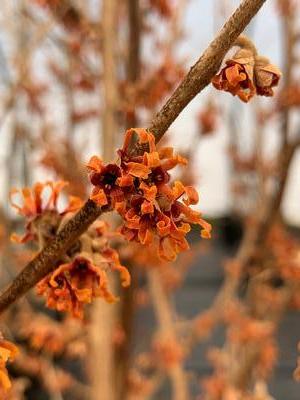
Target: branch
x,y
195,81
205,68
127,306
164,316
102,363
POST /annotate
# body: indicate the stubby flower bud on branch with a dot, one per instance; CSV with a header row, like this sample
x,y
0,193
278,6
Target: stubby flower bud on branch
x,y
247,74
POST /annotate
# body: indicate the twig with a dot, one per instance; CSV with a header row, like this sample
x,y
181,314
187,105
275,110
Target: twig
x,y
164,313
195,81
127,306
102,364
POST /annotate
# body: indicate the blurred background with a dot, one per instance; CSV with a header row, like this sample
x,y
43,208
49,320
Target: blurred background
x,y
219,323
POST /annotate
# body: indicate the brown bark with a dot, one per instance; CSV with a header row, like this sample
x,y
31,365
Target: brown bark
x,y
127,306
102,363
109,125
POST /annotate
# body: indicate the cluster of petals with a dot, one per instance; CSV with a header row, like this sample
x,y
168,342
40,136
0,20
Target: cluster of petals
x,y
82,274
168,352
163,7
43,333
41,199
138,188
8,351
208,118
76,283
286,252
246,75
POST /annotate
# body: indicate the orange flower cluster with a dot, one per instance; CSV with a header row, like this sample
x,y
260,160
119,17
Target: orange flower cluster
x,y
82,273
287,7
139,385
168,352
163,7
207,118
76,283
43,333
286,251
247,74
149,92
8,351
289,97
139,190
245,330
64,11
39,206
204,324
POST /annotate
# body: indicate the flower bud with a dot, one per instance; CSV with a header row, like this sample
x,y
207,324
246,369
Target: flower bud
x,y
266,76
237,76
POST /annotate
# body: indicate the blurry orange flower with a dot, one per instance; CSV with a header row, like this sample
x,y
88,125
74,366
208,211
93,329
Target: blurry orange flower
x,y
290,96
43,333
207,119
248,329
286,7
138,385
204,324
267,358
37,203
84,116
214,386
168,352
32,198
163,7
8,351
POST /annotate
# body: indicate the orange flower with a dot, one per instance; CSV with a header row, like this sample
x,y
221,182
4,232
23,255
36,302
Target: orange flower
x,y
237,76
75,284
250,330
33,203
153,211
266,76
8,351
204,324
247,74
38,203
287,7
43,334
163,7
168,352
207,118
267,358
